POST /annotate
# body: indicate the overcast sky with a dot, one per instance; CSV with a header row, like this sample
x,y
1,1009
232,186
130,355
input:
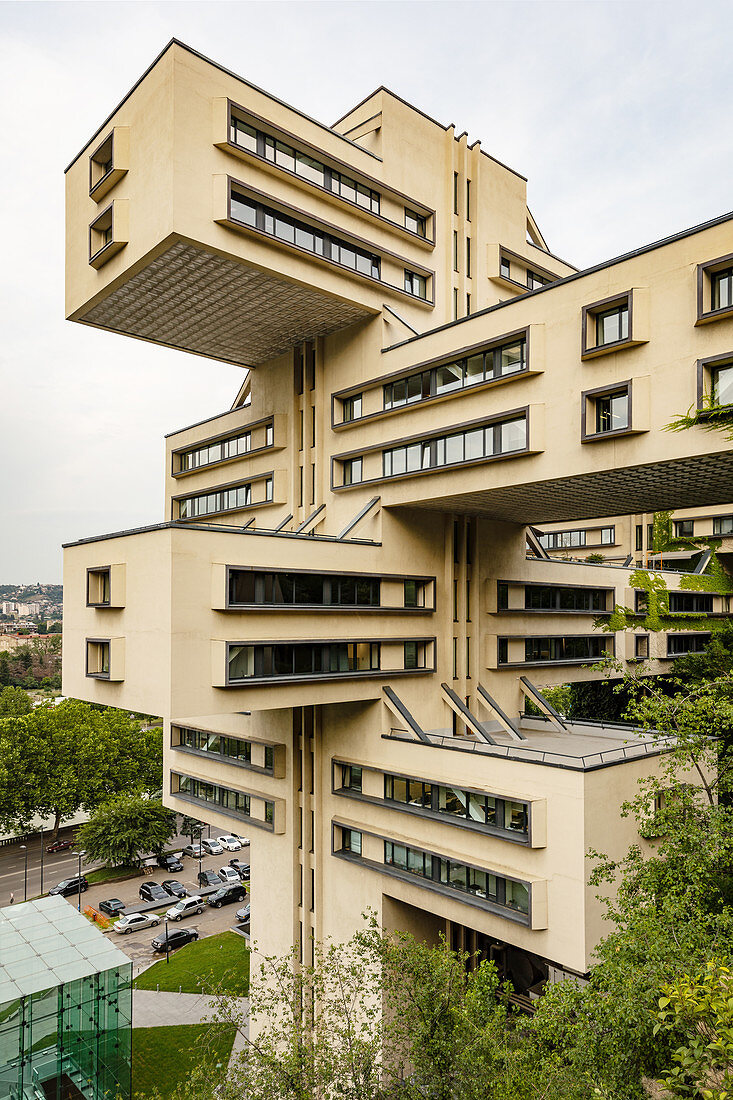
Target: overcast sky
x,y
618,113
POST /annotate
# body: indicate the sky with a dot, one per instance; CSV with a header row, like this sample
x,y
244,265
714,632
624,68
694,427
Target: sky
x,y
617,112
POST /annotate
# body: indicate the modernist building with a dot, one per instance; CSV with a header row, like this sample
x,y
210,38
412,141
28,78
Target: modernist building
x,y
65,1007
338,616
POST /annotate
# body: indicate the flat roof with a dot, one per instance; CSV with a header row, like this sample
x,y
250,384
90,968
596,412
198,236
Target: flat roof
x,y
586,746
46,943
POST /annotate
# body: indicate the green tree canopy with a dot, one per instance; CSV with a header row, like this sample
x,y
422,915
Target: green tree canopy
x,y
126,827
14,702
59,759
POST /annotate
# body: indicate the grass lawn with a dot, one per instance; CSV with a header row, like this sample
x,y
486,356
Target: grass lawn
x,y
164,1057
111,874
215,963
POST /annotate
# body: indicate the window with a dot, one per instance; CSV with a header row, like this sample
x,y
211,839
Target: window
x,y
221,500
415,284
612,412
481,366
351,777
723,525
504,268
416,223
502,651
351,841
612,325
455,192
98,587
680,644
606,324
504,438
414,593
535,280
227,801
721,285
690,603
302,164
98,655
641,647
568,540
301,659
102,237
351,408
264,588
414,655
468,257
545,597
684,528
248,212
352,471
220,451
455,250
639,542
721,389
505,892
566,649
608,536
232,750
468,200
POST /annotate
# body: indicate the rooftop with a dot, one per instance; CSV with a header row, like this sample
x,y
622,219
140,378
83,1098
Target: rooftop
x,y
45,943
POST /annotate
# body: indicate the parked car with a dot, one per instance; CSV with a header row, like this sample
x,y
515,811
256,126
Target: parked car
x,y
69,886
226,895
229,874
243,840
135,922
176,937
194,850
153,891
242,869
209,878
230,842
186,907
242,916
212,847
112,906
175,888
60,846
170,862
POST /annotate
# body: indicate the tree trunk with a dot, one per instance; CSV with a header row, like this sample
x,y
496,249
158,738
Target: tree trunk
x,y
56,824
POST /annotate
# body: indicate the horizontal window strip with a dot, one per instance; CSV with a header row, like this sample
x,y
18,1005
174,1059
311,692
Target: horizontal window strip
x,y
231,749
497,438
222,500
473,370
236,803
247,586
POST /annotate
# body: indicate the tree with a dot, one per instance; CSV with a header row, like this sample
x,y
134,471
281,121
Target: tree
x,y
126,827
13,702
699,1013
57,760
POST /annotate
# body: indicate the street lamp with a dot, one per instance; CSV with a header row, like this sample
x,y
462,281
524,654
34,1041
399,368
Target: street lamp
x,y
167,943
41,860
24,850
80,856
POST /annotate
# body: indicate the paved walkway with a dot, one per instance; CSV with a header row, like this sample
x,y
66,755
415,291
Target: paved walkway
x,y
151,1009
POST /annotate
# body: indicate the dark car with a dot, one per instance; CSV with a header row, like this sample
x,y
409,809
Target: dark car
x,y
175,937
153,891
175,888
242,869
60,846
242,916
69,886
226,895
209,878
112,906
170,862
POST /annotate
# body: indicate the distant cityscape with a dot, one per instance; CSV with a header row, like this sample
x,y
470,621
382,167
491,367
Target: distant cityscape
x,y
27,609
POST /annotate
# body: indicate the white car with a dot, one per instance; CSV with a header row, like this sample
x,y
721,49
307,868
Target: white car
x,y
186,907
230,842
212,847
135,922
228,874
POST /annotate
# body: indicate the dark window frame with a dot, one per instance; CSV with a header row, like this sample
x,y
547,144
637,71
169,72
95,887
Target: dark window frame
x,y
591,348
600,393
705,272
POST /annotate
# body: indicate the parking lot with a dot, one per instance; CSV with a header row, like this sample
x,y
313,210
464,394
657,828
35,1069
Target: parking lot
x,y
136,945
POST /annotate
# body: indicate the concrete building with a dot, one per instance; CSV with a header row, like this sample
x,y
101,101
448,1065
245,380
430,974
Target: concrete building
x,y
338,616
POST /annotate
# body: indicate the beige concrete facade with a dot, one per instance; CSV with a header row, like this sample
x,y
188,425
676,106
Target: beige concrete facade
x,y
337,611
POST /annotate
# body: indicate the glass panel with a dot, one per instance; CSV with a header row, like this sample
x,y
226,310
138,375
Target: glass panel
x,y
448,378
513,435
722,392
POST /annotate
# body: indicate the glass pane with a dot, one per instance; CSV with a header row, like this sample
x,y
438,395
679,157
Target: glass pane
x,y
723,386
513,435
448,378
511,358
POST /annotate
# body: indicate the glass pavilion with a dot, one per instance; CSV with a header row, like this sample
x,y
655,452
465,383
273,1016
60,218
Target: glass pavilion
x,y
65,1006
